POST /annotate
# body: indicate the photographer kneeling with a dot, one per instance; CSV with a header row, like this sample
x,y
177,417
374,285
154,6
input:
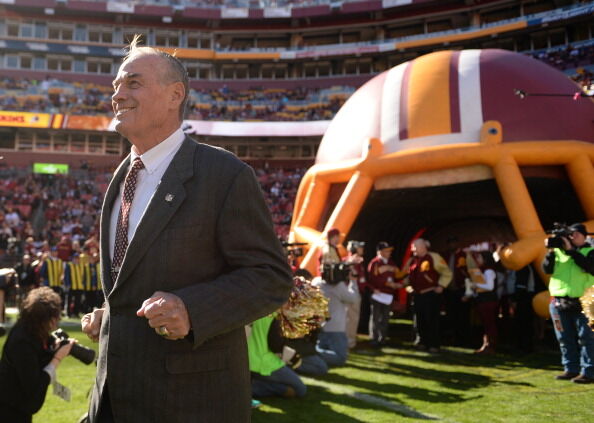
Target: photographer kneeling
x,y
31,356
570,262
340,290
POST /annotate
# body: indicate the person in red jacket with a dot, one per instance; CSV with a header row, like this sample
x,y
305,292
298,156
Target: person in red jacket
x,y
382,278
428,275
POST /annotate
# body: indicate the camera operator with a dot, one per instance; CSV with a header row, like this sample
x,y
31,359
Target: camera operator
x,y
570,262
332,342
30,356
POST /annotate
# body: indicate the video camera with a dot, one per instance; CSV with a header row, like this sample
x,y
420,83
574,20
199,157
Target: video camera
x,y
559,231
335,273
293,248
84,354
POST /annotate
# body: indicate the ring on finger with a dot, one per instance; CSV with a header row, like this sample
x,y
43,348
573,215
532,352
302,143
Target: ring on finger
x,y
162,330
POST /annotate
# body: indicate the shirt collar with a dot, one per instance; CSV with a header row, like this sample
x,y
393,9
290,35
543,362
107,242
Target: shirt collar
x,y
153,158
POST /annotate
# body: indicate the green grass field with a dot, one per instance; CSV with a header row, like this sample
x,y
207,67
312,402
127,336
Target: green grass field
x,y
397,385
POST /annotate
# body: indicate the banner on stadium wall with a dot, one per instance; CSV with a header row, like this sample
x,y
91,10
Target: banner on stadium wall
x,y
332,51
256,129
277,12
50,168
234,12
118,7
563,14
25,119
92,123
393,3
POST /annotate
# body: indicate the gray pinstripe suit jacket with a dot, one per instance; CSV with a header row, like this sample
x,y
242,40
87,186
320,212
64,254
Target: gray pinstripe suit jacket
x,y
211,242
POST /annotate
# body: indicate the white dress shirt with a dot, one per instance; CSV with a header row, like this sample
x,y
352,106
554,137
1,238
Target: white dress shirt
x,y
156,161
490,276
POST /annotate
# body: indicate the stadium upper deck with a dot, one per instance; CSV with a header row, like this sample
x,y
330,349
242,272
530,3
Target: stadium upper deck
x,y
254,46
326,44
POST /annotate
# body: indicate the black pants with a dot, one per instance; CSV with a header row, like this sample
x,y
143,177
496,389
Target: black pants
x,y
364,313
380,322
458,318
74,302
427,318
524,321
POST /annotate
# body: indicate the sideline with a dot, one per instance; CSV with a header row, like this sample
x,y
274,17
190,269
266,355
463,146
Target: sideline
x,y
399,408
13,311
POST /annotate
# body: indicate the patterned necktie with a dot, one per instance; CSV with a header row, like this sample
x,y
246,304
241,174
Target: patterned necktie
x,y
121,238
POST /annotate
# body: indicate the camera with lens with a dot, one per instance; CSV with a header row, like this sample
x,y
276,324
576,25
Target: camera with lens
x,y
293,249
335,273
84,354
559,231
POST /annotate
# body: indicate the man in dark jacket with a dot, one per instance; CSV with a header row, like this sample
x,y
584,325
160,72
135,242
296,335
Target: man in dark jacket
x,y
189,257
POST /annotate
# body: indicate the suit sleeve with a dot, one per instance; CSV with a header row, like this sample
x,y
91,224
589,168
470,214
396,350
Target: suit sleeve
x,y
445,274
259,279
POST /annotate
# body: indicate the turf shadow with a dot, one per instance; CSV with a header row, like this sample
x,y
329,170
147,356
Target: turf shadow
x,y
315,407
413,392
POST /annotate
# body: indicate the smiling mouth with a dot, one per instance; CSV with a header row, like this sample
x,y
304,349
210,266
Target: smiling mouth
x,y
123,110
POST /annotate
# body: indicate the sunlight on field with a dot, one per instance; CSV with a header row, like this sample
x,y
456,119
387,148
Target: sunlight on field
x,y
397,385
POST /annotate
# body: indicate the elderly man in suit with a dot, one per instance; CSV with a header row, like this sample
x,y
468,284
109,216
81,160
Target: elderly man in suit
x,y
188,256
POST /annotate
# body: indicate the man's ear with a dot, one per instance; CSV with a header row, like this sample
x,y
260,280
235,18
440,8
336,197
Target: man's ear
x,y
176,94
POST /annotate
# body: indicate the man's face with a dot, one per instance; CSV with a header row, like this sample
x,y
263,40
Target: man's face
x,y
141,101
419,248
386,253
578,239
334,240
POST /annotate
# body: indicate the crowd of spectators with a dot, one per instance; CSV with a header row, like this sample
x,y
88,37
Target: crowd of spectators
x,y
54,96
301,104
580,59
51,95
37,211
280,189
585,78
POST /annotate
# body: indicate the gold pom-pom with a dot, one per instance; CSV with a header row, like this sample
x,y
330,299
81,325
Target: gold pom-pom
x,y
305,311
587,301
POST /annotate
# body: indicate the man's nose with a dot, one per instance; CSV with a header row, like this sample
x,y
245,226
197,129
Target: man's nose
x,y
118,95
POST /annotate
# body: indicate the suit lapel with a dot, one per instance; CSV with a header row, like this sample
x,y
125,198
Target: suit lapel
x,y
169,195
110,196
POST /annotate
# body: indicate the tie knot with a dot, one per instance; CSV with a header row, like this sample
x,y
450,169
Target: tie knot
x,y
137,164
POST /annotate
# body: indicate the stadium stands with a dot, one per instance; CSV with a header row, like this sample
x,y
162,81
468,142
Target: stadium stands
x,y
47,207
55,96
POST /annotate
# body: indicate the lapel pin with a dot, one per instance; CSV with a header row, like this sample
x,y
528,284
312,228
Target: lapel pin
x,y
169,198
